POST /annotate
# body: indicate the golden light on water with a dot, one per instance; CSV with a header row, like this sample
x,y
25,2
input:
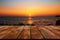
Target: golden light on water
x,y
30,19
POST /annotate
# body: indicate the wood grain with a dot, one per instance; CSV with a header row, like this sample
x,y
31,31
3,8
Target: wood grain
x,y
29,32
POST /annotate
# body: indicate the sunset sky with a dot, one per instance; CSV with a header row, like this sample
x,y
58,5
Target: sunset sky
x,y
29,7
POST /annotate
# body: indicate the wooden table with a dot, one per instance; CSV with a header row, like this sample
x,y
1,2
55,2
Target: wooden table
x,y
29,32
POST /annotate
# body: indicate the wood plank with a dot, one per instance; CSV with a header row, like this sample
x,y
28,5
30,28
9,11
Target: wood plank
x,y
48,34
14,32
2,28
29,32
35,34
55,27
25,34
56,32
5,32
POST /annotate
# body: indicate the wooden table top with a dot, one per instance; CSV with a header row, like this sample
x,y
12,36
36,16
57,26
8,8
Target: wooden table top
x,y
29,32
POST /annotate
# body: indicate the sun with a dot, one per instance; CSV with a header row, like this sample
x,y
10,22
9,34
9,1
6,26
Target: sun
x,y
30,11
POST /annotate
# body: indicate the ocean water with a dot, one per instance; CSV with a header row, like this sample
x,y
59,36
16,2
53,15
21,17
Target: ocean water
x,y
12,20
17,19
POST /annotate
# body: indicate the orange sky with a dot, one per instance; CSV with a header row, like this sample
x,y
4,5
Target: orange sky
x,y
33,8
